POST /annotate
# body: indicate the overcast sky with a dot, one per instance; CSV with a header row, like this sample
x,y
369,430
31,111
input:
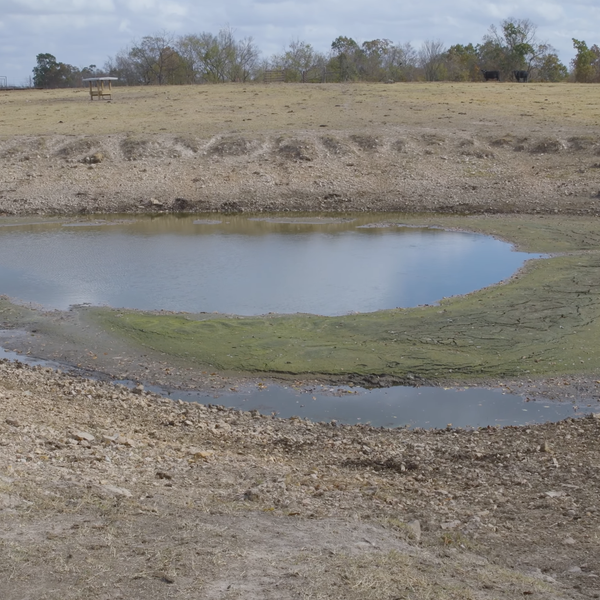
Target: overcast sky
x,y
84,32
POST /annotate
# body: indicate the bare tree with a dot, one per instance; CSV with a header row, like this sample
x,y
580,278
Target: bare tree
x,y
246,59
431,59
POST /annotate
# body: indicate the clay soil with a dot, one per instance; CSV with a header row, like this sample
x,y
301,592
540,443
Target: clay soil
x,y
111,493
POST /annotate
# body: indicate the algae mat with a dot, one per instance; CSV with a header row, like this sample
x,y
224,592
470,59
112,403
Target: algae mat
x,y
545,320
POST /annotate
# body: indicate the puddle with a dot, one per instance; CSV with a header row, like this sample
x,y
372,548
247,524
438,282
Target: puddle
x,y
401,406
426,407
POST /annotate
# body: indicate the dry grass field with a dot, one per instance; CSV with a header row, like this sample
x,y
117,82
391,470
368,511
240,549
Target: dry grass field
x,y
440,147
251,109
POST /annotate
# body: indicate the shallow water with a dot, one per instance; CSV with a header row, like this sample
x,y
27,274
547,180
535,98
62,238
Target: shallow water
x,y
400,406
245,265
426,407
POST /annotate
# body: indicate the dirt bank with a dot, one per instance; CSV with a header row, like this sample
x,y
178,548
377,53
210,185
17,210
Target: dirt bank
x,y
425,147
399,168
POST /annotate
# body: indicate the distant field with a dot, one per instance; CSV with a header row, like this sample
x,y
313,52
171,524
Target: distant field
x,y
212,109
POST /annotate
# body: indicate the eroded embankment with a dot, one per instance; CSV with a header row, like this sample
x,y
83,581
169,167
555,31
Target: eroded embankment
x,y
395,168
544,321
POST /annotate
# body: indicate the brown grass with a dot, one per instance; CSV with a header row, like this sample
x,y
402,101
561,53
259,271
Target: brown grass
x,y
247,109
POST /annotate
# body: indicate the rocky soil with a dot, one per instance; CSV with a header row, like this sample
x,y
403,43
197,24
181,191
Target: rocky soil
x,y
397,169
107,492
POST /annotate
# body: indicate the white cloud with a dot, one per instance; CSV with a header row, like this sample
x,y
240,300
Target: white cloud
x,y
70,29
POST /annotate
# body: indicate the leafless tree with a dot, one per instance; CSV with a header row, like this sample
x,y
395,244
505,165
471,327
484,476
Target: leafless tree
x,y
431,59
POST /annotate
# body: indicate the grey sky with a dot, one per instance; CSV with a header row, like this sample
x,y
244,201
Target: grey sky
x,y
84,32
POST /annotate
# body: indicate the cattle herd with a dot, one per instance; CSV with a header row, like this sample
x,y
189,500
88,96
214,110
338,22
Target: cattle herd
x,y
520,76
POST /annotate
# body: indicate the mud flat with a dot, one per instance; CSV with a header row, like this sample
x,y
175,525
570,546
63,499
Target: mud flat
x,y
107,492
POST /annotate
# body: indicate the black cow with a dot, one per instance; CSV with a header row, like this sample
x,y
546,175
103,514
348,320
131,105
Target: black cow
x,y
521,76
490,75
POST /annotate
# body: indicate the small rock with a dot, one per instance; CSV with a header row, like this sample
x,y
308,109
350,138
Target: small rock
x,y
201,454
450,525
414,527
117,491
163,475
575,570
123,441
569,541
555,494
12,422
96,158
83,435
251,496
138,389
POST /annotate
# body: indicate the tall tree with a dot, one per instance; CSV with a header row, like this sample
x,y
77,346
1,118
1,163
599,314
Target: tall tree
x,y
345,54
49,73
156,60
431,60
547,66
298,59
462,62
586,62
247,57
381,60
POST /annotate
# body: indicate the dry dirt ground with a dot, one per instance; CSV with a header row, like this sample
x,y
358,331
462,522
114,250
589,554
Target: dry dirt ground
x,y
468,148
107,493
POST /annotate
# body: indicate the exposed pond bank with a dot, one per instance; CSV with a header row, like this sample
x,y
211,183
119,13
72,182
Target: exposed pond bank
x,y
169,497
108,493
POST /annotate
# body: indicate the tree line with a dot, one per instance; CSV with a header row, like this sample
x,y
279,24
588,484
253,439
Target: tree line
x,y
167,59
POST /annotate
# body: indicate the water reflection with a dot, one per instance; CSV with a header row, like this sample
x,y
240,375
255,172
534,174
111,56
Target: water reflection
x,y
426,407
246,265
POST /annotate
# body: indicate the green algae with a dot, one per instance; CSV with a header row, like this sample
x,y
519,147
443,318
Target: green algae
x,y
545,320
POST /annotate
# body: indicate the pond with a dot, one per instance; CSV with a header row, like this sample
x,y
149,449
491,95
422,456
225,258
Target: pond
x,y
246,265
252,265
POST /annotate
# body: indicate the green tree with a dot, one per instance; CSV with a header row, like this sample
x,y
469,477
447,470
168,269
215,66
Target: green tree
x,y
547,67
219,58
49,73
344,61
298,59
585,63
374,60
462,63
156,61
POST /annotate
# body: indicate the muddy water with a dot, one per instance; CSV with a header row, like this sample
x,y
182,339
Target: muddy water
x,y
246,265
